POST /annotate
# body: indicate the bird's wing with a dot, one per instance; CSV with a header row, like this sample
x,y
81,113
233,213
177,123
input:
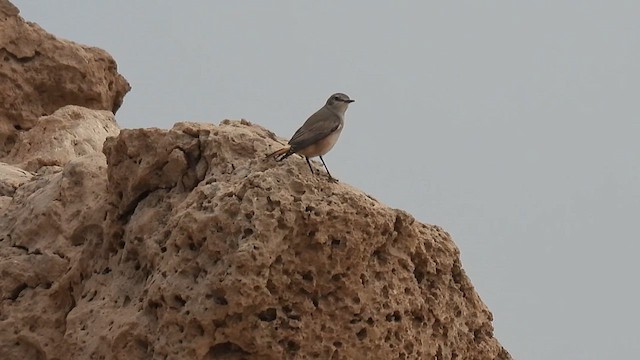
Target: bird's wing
x,y
317,127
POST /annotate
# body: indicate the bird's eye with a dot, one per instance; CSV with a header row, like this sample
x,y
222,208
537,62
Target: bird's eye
x,y
336,98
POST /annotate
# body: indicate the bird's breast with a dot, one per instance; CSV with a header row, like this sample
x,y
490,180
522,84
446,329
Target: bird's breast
x,y
323,146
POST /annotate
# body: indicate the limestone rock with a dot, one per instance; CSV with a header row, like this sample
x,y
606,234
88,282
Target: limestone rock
x,y
43,230
11,178
199,247
40,73
189,244
254,259
8,9
68,133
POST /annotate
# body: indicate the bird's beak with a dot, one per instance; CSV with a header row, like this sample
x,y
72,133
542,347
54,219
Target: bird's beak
x,y
350,101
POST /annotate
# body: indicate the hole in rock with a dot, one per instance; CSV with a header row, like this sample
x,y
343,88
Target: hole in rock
x,y
418,274
220,300
16,291
308,276
281,224
381,256
271,287
395,316
154,304
247,232
268,315
362,334
408,291
363,279
179,300
418,318
197,329
226,350
292,346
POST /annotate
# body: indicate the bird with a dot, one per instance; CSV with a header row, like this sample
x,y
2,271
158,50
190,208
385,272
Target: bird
x,y
319,133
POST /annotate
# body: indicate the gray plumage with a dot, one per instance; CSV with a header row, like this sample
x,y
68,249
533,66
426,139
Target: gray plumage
x,y
322,123
319,133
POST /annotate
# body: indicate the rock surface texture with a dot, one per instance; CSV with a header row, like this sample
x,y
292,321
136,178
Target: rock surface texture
x,y
40,73
189,244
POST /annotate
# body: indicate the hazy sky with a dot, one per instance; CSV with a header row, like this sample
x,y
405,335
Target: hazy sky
x,y
515,125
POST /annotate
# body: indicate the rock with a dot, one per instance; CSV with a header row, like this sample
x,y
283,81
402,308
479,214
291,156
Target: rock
x,y
254,259
197,236
43,231
189,243
48,212
7,9
11,178
40,73
68,133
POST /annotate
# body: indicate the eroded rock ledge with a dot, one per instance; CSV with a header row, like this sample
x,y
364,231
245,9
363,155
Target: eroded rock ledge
x,y
198,247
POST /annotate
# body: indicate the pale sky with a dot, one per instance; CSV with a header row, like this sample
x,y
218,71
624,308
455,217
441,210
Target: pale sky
x,y
512,124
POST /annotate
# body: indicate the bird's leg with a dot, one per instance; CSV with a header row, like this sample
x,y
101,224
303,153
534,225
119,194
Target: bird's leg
x,y
309,163
326,168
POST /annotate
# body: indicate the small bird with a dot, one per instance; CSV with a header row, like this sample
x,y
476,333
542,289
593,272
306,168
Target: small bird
x,y
319,133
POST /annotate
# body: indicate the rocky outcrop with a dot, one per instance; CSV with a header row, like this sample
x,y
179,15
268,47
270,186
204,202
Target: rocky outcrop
x,y
65,135
40,73
198,247
189,243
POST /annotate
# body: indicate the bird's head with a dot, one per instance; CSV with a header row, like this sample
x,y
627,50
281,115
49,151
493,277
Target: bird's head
x,y
339,102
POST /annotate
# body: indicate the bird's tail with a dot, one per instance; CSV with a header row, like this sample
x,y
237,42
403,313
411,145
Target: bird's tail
x,y
285,152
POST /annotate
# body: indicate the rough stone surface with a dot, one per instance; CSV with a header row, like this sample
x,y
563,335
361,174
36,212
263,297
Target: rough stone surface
x,y
43,230
40,73
11,178
199,247
68,133
189,244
